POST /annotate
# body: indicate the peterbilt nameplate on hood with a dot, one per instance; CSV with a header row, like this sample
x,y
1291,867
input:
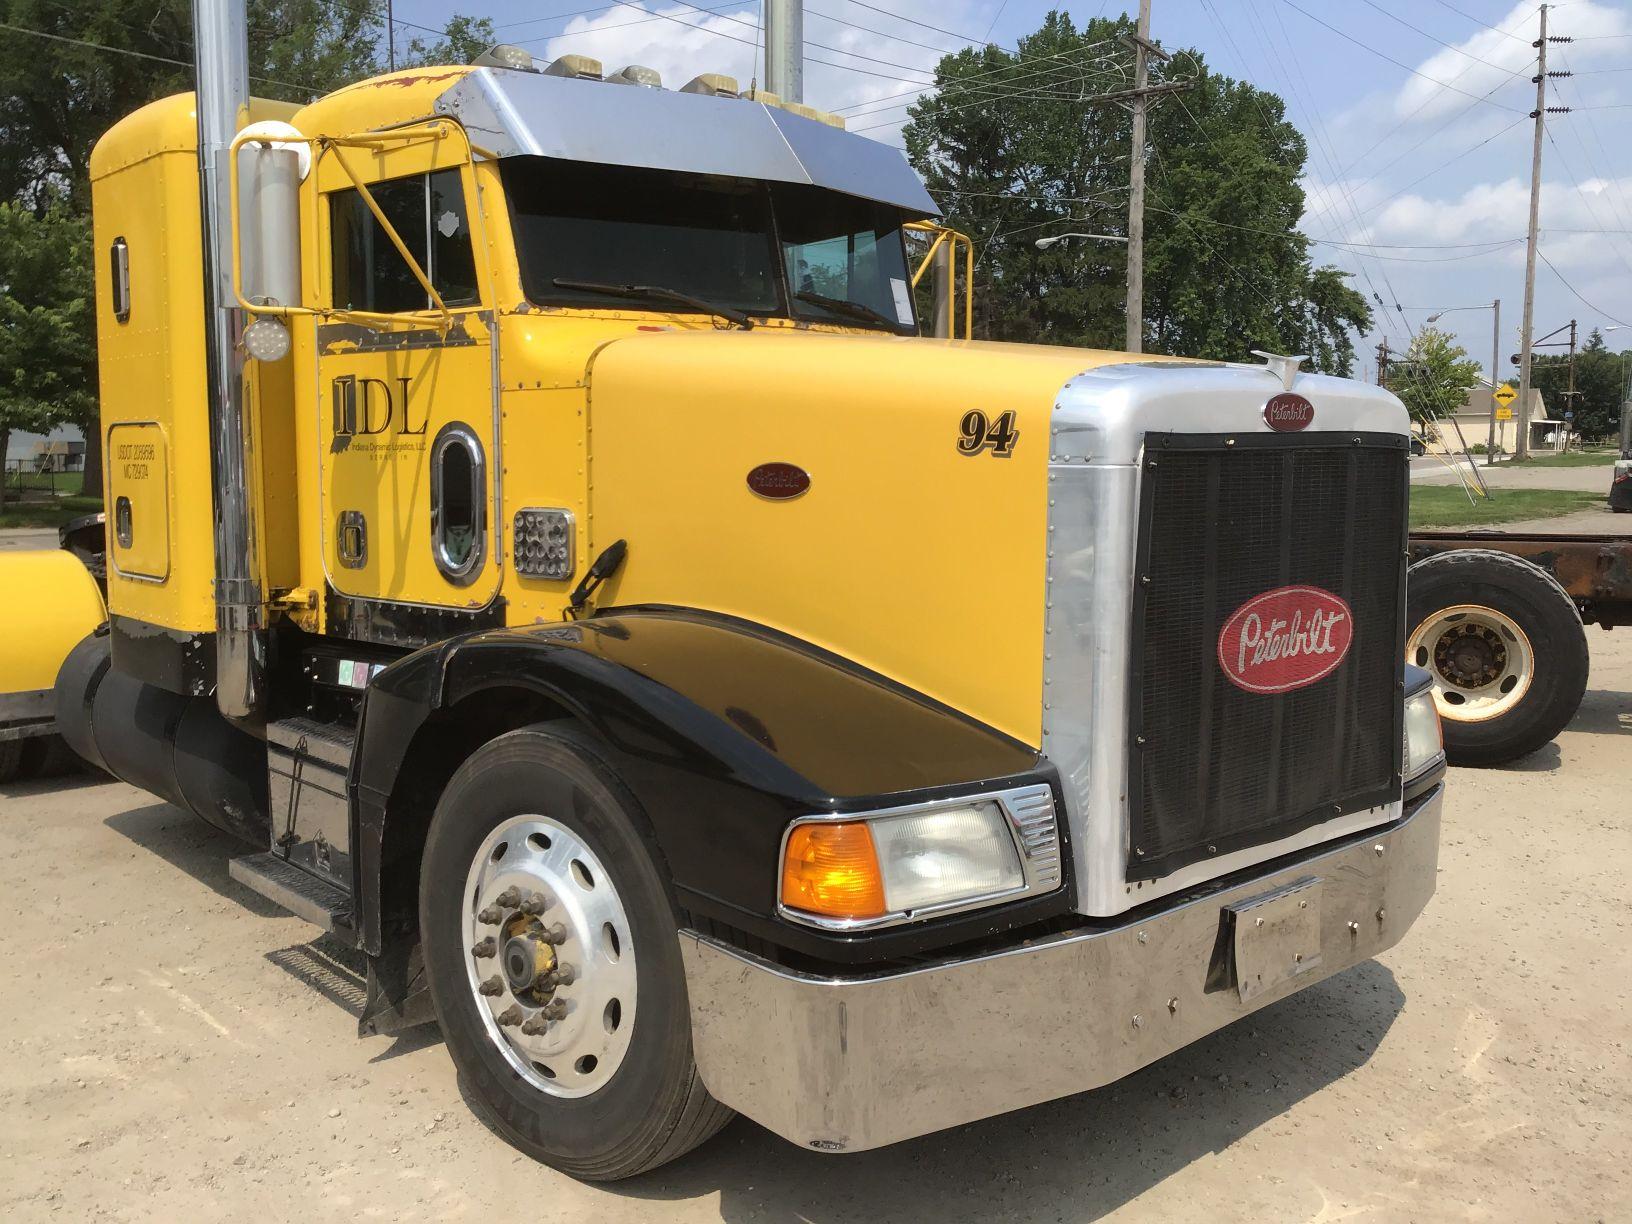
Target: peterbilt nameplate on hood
x,y
1288,412
1285,639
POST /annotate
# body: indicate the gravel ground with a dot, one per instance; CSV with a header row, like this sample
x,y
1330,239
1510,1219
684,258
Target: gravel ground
x,y
174,1048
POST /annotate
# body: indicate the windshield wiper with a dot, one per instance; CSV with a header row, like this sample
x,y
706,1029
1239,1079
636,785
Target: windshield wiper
x,y
856,310
658,293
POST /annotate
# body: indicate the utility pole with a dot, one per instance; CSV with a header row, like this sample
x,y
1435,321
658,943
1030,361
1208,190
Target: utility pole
x,y
785,49
1135,341
1521,449
1495,371
390,35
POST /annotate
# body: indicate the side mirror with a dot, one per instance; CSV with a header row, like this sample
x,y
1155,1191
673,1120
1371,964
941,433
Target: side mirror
x,y
268,169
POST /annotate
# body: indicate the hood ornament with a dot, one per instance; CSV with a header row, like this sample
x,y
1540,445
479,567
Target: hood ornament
x,y
1284,368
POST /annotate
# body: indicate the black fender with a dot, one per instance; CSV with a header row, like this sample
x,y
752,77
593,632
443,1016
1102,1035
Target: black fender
x,y
723,730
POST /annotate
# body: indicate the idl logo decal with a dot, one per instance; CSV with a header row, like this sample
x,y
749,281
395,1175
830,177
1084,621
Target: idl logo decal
x,y
1285,639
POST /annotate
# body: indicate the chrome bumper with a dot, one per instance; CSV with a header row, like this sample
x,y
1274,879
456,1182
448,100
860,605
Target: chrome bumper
x,y
845,1064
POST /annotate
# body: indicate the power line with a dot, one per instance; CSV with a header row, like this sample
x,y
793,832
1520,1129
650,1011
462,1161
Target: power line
x,y
965,38
810,12
1434,38
865,107
1476,21
1397,63
1577,293
159,59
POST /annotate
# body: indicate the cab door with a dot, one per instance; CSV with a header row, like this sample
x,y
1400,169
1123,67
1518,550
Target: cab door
x,y
405,393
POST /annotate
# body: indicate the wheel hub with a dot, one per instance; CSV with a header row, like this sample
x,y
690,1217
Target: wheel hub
x,y
1480,659
550,956
1470,655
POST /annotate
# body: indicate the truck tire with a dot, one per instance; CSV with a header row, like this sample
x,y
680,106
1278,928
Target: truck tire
x,y
1506,649
549,940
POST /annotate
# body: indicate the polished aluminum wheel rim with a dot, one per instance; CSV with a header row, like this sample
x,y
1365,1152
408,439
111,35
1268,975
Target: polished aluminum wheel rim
x,y
549,956
1480,660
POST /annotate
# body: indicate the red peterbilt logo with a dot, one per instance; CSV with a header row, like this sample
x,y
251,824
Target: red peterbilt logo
x,y
1288,412
1285,639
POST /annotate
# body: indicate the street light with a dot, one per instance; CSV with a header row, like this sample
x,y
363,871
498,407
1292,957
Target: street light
x,y
1043,244
1495,364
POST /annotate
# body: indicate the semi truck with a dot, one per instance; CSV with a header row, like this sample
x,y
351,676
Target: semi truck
x,y
538,528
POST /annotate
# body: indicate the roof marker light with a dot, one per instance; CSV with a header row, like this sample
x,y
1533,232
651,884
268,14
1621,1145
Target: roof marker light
x,y
714,84
637,74
505,55
581,66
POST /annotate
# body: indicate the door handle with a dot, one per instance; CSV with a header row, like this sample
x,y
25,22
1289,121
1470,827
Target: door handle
x,y
351,539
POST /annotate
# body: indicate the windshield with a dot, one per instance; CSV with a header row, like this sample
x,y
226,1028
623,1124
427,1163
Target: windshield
x,y
844,249
734,243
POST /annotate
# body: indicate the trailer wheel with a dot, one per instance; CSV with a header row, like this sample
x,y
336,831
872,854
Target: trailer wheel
x,y
1505,647
549,939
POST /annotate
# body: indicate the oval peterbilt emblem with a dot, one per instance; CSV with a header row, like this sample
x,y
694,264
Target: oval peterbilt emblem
x,y
1285,639
779,481
1288,412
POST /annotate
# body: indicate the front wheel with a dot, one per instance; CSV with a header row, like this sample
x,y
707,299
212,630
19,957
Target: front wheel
x,y
549,938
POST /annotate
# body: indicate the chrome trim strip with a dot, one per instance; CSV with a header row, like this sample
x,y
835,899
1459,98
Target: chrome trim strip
x,y
850,1063
1029,812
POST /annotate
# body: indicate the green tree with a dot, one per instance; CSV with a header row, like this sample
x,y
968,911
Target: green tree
x,y
1013,147
106,58
1434,376
1600,383
47,347
462,40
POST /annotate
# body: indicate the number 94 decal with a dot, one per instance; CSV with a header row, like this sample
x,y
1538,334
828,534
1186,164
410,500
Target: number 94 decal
x,y
978,432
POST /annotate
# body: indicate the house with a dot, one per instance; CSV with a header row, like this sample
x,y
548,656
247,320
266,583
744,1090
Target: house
x,y
1473,417
59,455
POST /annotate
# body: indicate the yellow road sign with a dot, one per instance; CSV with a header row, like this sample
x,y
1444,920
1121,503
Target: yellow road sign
x,y
1504,396
1504,414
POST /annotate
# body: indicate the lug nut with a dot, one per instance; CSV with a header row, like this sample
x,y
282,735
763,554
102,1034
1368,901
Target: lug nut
x,y
510,1015
535,904
565,975
555,934
485,948
491,987
555,1009
535,1026
492,914
509,898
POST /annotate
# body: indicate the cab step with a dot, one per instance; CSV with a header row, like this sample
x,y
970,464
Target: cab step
x,y
301,893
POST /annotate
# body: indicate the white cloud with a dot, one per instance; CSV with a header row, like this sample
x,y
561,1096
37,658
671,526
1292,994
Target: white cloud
x,y
1490,59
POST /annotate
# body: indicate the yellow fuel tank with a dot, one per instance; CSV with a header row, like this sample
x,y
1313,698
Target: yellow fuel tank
x,y
51,602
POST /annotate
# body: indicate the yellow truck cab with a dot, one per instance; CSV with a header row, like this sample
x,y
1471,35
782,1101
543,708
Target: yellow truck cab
x,y
538,527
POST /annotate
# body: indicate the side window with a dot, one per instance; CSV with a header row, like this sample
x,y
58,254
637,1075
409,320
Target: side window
x,y
458,503
428,213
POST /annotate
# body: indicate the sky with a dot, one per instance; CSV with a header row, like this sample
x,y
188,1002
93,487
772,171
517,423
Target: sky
x,y
1416,114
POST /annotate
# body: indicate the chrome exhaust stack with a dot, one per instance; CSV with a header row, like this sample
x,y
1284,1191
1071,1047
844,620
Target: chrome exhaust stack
x,y
221,62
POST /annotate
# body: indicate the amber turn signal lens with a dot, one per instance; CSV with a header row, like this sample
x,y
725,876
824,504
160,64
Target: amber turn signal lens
x,y
831,869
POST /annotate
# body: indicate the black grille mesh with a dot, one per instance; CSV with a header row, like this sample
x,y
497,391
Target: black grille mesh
x,y
1221,768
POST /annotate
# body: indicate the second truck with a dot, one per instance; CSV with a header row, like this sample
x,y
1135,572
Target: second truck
x,y
537,527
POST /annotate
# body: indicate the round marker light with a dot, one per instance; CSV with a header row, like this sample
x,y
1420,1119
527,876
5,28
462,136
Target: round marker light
x,y
266,340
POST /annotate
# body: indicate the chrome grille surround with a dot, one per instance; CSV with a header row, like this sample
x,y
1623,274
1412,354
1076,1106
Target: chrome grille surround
x,y
1096,446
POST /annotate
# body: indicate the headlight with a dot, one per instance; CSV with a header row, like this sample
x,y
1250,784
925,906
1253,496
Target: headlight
x,y
1423,745
893,866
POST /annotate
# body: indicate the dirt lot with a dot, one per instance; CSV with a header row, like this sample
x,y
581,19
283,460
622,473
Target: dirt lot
x,y
173,1048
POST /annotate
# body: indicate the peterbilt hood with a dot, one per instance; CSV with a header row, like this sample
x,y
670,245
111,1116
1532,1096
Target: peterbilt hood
x,y
886,498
